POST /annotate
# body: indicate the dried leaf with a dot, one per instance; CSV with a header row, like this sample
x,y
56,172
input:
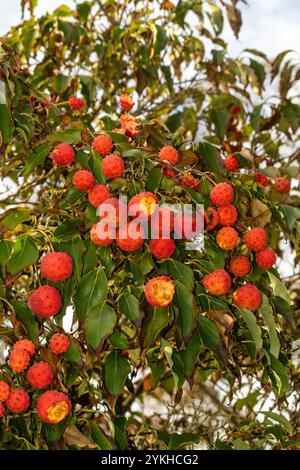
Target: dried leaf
x,y
260,212
75,437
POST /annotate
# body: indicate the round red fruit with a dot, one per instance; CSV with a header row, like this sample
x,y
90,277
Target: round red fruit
x,y
98,194
261,179
40,375
142,205
130,237
103,234
18,400
57,266
25,345
76,104
217,282
211,218
231,163
45,301
159,291
53,406
59,343
266,258
103,144
4,390
227,238
169,154
240,266
113,166
126,102
63,155
247,296
162,248
227,215
222,194
282,185
84,180
256,239
19,360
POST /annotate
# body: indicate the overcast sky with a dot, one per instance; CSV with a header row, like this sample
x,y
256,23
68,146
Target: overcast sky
x,y
269,25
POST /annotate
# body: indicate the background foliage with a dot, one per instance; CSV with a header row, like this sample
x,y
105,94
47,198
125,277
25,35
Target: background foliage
x,y
150,378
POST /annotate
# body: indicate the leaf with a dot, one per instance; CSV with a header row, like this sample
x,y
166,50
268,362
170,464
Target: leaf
x,y
14,217
129,306
6,122
266,312
238,444
234,17
91,290
99,323
75,438
209,156
116,370
160,38
280,375
27,318
68,136
35,158
185,302
23,254
180,272
220,119
253,327
99,437
216,17
178,441
208,332
75,248
155,320
67,229
279,419
259,71
291,214
153,179
191,352
260,212
277,62
168,352
73,353
279,288
95,162
6,247
214,253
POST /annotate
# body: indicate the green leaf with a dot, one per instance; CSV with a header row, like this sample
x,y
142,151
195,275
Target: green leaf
x,y
266,312
279,288
160,39
129,306
279,419
25,316
73,354
238,444
168,352
23,254
178,441
220,119
75,248
155,320
68,136
6,122
96,167
291,214
209,156
99,323
14,217
6,247
191,352
67,229
180,272
208,332
253,327
91,290
35,158
280,375
259,70
216,17
153,179
98,436
185,302
116,370
214,253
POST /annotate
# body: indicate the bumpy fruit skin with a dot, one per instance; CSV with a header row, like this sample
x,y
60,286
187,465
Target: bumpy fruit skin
x,y
59,343
247,296
26,345
103,144
126,102
222,194
18,400
162,248
227,215
185,226
113,166
142,205
169,154
227,238
104,236
53,406
130,237
159,291
266,258
211,217
236,109
282,185
76,104
2,410
169,173
162,222
63,155
84,180
19,360
4,390
256,239
45,301
113,211
98,194
261,179
217,282
240,266
57,266
188,180
231,163
129,125
40,375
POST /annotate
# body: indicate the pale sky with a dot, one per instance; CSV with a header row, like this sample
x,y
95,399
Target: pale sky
x,y
269,25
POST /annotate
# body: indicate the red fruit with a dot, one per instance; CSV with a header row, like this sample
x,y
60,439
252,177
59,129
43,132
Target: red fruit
x,y
26,345
240,265
231,163
103,234
162,248
213,219
63,155
103,144
256,239
59,343
130,237
227,215
236,109
169,154
142,205
129,125
169,173
113,211
261,179
113,166
18,400
45,301
53,406
187,226
84,180
186,179
227,238
4,390
98,194
282,185
76,104
57,266
247,296
266,258
217,282
126,102
19,360
159,291
2,410
222,194
162,222
40,375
